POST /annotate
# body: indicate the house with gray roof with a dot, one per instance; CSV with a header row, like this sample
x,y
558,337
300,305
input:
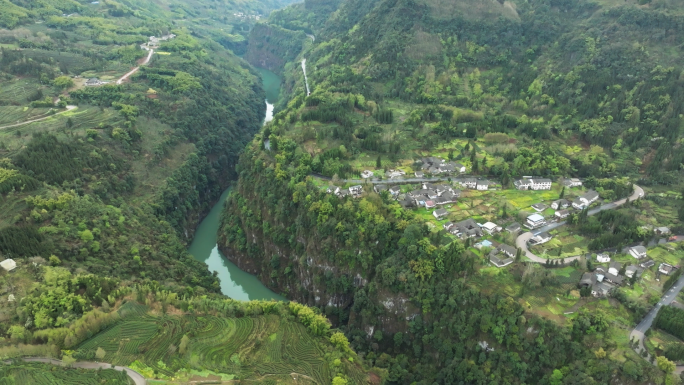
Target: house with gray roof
x,y
638,252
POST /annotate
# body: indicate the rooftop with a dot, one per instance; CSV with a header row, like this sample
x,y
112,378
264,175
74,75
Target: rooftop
x,y
535,218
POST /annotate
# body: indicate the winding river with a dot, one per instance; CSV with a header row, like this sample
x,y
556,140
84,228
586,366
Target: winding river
x,y
235,283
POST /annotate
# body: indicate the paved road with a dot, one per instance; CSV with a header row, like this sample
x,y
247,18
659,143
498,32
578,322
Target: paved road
x,y
137,378
68,108
645,324
134,70
522,240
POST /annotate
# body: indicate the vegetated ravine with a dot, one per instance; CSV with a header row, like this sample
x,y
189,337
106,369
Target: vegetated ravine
x,y
235,283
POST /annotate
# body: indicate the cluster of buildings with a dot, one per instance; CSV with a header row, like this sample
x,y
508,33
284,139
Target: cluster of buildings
x,y
435,166
244,16
475,183
602,280
562,207
353,191
533,184
433,195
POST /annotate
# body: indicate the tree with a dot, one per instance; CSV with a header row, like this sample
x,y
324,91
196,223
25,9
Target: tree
x,y
665,365
338,339
378,162
63,82
518,255
339,381
600,354
556,377
182,348
68,360
87,236
55,261
562,193
100,353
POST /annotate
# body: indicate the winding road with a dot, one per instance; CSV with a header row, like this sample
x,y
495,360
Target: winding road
x,y
137,378
134,70
645,324
522,239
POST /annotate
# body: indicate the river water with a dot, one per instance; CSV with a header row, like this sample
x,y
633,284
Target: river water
x,y
235,283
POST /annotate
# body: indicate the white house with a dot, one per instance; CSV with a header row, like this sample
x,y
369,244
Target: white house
x,y
603,258
533,184
356,190
535,220
560,214
572,182
491,228
440,213
469,183
366,174
430,204
460,168
395,173
638,252
8,264
666,268
585,200
483,184
560,204
614,268
541,238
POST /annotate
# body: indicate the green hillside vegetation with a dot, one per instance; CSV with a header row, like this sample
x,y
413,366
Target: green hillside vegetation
x,y
588,89
37,373
101,188
170,337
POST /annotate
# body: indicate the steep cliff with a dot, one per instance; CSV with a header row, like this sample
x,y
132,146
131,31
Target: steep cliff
x,y
271,46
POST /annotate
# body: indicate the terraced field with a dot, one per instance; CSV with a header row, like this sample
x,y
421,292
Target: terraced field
x,y
14,114
83,117
266,347
46,374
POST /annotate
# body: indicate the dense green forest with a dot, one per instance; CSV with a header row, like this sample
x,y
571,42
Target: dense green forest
x,y
103,179
552,88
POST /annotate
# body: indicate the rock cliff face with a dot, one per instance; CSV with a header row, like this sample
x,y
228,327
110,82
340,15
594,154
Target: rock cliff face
x,y
271,46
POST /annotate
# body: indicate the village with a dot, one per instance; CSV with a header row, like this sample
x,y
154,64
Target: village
x,y
490,219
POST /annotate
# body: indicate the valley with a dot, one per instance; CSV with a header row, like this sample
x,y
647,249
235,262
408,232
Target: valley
x,y
341,192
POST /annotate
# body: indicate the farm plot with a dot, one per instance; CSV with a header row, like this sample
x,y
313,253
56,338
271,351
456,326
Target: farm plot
x,y
47,374
263,347
84,117
14,114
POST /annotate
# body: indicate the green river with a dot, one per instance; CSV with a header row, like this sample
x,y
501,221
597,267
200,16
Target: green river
x,y
235,283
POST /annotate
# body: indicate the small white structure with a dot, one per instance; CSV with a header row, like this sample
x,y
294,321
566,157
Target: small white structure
x,y
491,228
483,185
533,184
666,268
535,220
10,298
541,238
440,213
395,173
560,214
585,200
637,252
572,182
603,258
366,174
8,264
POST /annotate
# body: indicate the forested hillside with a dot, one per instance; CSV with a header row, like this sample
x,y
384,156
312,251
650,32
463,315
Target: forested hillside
x,y
548,88
170,337
120,126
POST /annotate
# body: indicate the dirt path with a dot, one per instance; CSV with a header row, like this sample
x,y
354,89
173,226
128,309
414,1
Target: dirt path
x,y
68,108
134,70
137,378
